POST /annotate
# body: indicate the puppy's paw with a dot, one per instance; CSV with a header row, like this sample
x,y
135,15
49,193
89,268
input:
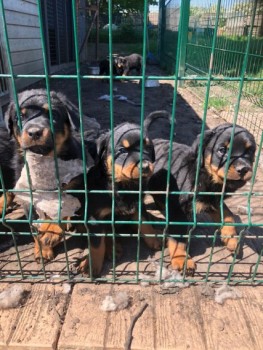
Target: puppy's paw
x,y
82,266
178,263
47,253
49,236
179,258
231,244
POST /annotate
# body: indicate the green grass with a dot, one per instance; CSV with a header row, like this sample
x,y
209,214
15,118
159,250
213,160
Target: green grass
x,y
127,35
219,103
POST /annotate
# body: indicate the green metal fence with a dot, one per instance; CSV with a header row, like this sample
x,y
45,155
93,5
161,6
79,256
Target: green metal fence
x,y
179,46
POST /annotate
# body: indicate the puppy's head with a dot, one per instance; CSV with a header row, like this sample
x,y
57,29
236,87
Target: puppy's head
x,y
126,154
120,62
216,148
34,133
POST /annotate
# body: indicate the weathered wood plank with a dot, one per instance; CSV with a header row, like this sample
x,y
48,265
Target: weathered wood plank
x,y
35,67
179,324
26,56
17,45
8,320
251,304
229,325
39,323
21,6
16,32
88,327
22,19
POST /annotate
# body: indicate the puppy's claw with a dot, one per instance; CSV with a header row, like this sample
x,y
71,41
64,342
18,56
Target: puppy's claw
x,y
178,263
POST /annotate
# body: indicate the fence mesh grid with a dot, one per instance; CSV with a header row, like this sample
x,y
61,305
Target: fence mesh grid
x,y
213,50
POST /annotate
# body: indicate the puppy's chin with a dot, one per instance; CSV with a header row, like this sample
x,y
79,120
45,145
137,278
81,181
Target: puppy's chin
x,y
39,149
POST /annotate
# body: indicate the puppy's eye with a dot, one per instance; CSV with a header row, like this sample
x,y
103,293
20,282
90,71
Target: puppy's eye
x,y
122,150
222,150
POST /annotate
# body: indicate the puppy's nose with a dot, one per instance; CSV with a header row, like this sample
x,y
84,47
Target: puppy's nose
x,y
243,170
145,167
35,133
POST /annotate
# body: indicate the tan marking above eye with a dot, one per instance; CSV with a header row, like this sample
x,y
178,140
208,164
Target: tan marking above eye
x,y
126,143
247,145
147,141
45,107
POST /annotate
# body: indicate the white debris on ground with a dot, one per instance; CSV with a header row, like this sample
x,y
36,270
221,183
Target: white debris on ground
x,y
66,288
43,177
119,98
241,209
170,278
116,302
226,292
13,296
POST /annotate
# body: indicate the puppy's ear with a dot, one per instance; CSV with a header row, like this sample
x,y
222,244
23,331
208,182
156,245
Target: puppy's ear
x,y
102,146
71,110
152,154
9,118
208,134
73,116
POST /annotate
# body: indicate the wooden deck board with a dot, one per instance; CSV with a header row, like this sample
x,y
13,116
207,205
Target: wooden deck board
x,y
8,320
38,323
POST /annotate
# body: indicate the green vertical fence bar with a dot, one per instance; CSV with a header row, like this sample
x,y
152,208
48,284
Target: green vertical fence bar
x,y
112,139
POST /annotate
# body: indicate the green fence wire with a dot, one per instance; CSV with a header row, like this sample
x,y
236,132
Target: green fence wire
x,y
204,49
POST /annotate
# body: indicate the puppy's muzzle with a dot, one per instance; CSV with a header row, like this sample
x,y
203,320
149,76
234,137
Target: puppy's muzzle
x,y
244,171
147,168
35,133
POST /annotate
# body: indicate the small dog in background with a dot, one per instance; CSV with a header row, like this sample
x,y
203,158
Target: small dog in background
x,y
104,66
128,63
215,150
35,137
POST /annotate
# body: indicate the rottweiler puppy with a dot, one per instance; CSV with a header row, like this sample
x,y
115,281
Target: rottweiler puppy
x,y
215,150
128,63
9,167
31,128
124,161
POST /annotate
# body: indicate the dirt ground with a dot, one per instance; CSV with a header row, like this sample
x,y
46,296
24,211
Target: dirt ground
x,y
155,99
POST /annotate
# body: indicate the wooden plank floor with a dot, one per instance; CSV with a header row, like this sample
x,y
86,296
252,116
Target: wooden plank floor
x,y
187,319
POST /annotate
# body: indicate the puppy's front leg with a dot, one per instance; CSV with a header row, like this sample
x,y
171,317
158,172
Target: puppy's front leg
x,y
227,233
49,236
148,230
9,200
97,254
178,256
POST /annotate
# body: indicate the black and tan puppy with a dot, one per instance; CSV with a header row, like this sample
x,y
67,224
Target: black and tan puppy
x,y
105,67
124,160
128,63
31,128
215,150
9,167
